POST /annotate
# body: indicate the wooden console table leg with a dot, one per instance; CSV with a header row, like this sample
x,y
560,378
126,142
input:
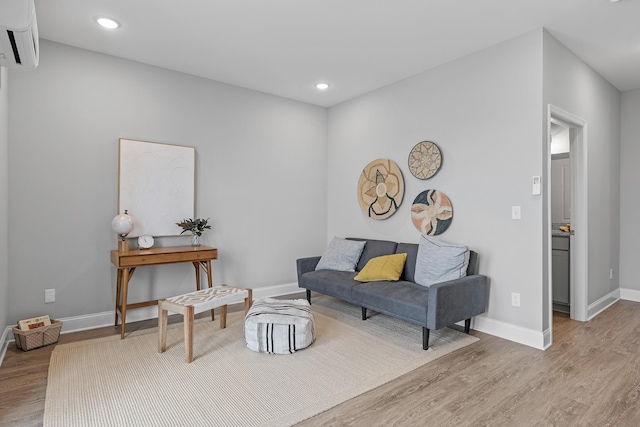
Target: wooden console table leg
x,y
118,287
207,268
196,265
162,328
123,310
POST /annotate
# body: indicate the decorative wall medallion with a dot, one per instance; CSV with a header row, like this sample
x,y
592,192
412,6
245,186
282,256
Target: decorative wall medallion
x,y
380,189
424,160
432,212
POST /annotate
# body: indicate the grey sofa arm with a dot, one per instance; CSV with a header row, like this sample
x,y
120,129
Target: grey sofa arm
x,y
306,265
456,300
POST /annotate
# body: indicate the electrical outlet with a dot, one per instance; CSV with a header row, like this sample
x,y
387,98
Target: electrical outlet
x,y
49,295
515,299
515,212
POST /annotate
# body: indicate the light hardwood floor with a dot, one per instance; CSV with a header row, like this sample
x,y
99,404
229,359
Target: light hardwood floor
x,y
589,377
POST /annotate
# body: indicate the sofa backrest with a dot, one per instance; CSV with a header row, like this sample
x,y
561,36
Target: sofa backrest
x,y
473,263
374,248
411,249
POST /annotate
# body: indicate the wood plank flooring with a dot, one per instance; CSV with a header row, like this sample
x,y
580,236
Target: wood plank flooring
x,y
589,377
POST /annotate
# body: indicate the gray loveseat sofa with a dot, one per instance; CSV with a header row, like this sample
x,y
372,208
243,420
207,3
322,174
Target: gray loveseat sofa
x,y
434,307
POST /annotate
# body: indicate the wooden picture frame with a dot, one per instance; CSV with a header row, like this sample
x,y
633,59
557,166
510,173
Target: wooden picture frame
x,y
156,185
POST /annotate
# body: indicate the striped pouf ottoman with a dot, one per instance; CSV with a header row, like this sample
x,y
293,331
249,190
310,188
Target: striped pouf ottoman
x,y
279,326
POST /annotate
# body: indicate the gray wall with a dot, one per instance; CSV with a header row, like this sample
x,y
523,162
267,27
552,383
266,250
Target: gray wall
x,y
270,170
484,112
4,201
261,167
630,196
574,87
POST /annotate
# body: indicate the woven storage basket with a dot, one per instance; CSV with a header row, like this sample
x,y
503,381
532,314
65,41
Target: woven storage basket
x,y
39,337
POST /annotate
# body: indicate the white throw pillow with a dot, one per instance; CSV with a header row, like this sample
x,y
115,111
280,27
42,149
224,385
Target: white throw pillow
x,y
341,255
438,261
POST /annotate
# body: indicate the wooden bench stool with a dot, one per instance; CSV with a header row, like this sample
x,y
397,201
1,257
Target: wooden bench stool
x,y
196,302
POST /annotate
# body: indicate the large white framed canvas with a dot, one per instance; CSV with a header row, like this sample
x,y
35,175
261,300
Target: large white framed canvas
x,y
156,185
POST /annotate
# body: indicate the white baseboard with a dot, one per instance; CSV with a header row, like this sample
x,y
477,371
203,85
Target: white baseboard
x,y
630,294
107,318
277,290
546,339
530,337
602,304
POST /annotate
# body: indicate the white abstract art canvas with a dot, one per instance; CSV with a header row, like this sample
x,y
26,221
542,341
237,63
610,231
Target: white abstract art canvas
x,y
156,186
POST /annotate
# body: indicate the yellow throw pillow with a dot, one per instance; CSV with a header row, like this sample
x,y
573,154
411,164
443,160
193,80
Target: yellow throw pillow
x,y
388,267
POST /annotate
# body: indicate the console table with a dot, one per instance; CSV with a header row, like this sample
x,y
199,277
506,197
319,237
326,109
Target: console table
x,y
127,261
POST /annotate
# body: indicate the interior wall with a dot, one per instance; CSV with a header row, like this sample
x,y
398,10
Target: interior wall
x,y
573,86
4,201
261,167
629,196
483,111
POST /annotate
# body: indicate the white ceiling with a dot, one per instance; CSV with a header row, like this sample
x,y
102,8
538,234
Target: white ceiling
x,y
283,47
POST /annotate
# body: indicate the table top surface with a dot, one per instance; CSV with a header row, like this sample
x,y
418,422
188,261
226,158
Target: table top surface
x,y
163,250
166,255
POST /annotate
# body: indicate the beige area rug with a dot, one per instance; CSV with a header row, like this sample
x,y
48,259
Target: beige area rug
x,y
113,382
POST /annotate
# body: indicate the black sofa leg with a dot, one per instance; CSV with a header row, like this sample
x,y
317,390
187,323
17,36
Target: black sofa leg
x,y
425,338
364,313
467,326
309,296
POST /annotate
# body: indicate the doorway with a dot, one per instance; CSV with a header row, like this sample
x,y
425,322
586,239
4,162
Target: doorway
x,y
578,237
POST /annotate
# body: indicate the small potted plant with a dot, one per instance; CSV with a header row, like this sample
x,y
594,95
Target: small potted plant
x,y
196,227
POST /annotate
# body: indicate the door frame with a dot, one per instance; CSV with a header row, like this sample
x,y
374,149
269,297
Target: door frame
x,y
579,275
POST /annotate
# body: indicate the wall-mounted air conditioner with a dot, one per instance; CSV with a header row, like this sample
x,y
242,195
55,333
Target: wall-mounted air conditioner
x,y
19,45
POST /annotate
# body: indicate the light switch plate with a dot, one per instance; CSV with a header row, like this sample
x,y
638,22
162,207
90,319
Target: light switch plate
x,y
535,185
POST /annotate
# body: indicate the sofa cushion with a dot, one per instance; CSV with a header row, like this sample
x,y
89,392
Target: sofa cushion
x,y
404,300
341,255
330,282
387,267
439,261
374,248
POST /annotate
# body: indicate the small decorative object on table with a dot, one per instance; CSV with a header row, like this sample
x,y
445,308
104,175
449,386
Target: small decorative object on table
x,y
196,227
145,241
122,224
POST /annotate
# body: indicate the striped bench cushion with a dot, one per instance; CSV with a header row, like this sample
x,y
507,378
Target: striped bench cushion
x,y
208,298
279,326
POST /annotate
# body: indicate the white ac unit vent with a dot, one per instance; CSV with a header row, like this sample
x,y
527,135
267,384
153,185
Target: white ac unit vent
x,y
19,44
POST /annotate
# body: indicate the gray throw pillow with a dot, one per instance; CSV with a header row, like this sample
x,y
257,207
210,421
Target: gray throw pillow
x,y
438,261
341,255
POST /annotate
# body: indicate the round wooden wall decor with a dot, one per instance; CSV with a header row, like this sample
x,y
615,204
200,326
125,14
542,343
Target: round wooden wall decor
x,y
424,160
432,212
380,189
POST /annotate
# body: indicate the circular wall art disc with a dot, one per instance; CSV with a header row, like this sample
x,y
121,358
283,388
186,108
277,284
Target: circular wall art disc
x,y
380,189
432,212
424,160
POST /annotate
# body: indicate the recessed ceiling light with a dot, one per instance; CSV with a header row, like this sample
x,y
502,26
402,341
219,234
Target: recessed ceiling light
x,y
322,86
107,23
